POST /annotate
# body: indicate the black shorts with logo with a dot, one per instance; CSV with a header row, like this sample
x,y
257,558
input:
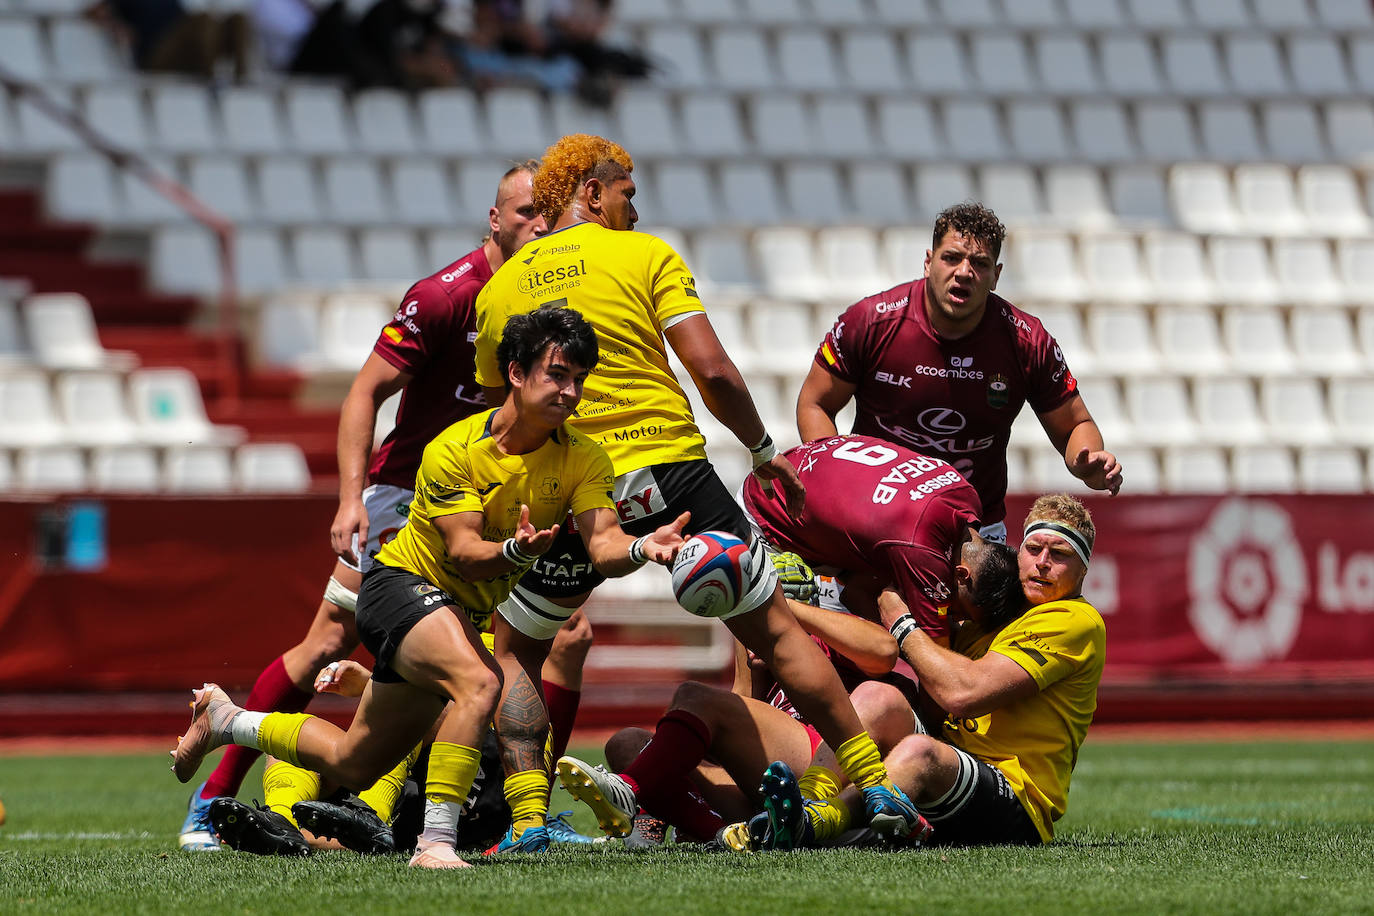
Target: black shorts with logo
x,y
390,603
684,486
981,810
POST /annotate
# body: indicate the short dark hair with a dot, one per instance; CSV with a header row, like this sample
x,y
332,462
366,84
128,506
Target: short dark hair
x,y
973,221
527,336
997,585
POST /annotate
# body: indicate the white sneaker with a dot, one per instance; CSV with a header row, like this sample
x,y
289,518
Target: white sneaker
x,y
610,797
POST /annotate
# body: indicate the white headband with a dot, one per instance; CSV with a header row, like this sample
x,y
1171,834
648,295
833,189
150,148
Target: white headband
x,y
1072,536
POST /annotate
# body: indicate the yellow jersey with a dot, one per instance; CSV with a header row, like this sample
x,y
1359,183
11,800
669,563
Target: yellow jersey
x,y
629,286
463,470
1035,741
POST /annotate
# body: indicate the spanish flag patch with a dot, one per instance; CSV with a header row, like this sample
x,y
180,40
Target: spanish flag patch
x,y
828,352
392,334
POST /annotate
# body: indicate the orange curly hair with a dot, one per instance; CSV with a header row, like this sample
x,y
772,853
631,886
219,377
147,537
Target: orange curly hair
x,y
569,163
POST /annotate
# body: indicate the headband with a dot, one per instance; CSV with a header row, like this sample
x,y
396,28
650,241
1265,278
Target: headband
x,y
1073,536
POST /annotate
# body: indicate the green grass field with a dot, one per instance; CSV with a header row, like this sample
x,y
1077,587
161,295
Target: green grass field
x,y
1262,827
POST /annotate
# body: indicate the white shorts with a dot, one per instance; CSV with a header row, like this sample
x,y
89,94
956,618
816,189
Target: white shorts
x,y
388,510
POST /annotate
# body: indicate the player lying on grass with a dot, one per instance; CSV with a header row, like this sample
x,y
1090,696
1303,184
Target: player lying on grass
x,y
489,496
1018,697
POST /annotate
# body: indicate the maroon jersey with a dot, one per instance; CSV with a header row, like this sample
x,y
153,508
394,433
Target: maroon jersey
x,y
955,399
875,507
432,337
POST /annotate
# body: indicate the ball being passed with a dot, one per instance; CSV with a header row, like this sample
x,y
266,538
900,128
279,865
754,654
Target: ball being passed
x,y
711,573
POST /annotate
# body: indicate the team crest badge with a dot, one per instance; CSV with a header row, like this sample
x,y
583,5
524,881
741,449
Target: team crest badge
x,y
549,487
998,393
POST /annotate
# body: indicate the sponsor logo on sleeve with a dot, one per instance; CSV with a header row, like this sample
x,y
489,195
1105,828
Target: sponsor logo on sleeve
x,y
883,308
689,286
450,277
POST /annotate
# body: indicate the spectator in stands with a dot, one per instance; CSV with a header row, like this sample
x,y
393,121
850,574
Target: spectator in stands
x,y
942,365
574,28
503,45
164,37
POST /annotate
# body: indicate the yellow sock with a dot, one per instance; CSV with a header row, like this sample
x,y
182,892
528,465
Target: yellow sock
x,y
527,793
829,819
861,761
383,794
284,784
452,768
819,782
279,732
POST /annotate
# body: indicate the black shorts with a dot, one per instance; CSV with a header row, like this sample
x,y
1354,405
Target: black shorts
x,y
981,810
668,490
390,603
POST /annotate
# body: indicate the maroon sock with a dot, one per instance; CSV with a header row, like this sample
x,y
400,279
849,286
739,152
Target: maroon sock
x,y
562,704
273,692
681,805
679,743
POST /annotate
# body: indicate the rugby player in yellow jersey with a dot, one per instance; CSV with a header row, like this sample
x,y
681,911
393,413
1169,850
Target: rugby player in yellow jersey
x,y
641,298
1018,697
490,495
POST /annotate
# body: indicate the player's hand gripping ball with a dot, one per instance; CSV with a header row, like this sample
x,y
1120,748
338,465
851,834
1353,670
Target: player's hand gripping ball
x,y
796,577
711,573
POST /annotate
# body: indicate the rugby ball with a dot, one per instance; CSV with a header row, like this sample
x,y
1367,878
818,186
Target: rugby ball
x,y
711,573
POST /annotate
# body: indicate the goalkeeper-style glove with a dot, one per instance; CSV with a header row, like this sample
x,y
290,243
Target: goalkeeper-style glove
x,y
795,576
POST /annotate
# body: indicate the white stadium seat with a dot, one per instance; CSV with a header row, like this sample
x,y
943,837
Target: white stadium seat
x,y
686,194
1175,262
1195,469
116,112
1330,469
789,330
773,12
938,63
1190,340
1228,411
81,186
1158,14
289,331
1229,132
1283,14
904,250
973,130
1142,464
1113,269
938,186
1217,15
1257,341
451,123
198,469
1318,64
1047,266
1242,271
902,13
1160,410
880,191
1324,342
1064,62
1291,131
1192,66
850,260
571,115
61,331
252,120
39,132
125,469
1362,63
1101,132
813,194
1352,410
1165,131
908,124
779,125
390,255
647,123
167,406
679,56
271,467
349,325
741,60
787,260
1295,410
322,256
1133,70
476,186
353,192
711,126
1075,197
95,409
22,48
51,469
14,348
422,193
1263,469
182,120
384,122
1138,195
840,128
287,191
1350,130
750,192
1000,63
1201,197
1254,65
1330,199
259,260
28,415
1095,14
841,12
1103,399
1064,323
1013,192
317,119
1037,131
184,260
806,60
1306,272
142,204
221,183
1355,259
967,12
870,61
1123,336
1344,14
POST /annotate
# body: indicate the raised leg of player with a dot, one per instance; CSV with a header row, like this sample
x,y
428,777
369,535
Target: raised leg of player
x,y
887,717
522,725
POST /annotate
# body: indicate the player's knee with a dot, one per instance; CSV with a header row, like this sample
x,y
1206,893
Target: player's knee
x,y
624,746
915,754
574,639
694,697
884,711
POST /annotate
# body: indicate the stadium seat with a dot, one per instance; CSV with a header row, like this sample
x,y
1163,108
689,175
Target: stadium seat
x,y
1037,131
251,120
198,469
1344,14
1018,471
14,349
184,260
1195,469
1295,410
851,262
1257,340
1189,340
271,467
518,121
61,331
1100,131
384,122
349,325
322,256
840,128
94,408
1242,271
50,469
1324,342
1352,410
1291,131
841,12
938,63
740,59
1220,15
939,186
1283,15
1330,469
1075,197
686,194
1133,71
116,112
451,124
1138,196
967,13
729,325
289,332
1330,199
1263,469
1190,63
1362,63
773,12
167,406
80,186
1355,259
1318,65
1064,62
317,119
390,255
1350,130
779,125
1065,324
28,416
444,246
1112,269
678,54
653,11
182,120
973,130
1000,63
1046,471
647,123
1142,467
422,193
37,131
1047,267
908,124
1160,410
750,194
806,60
476,186
259,261
1228,132
287,191
902,13
221,183
1095,14
1228,411
904,250
813,194
711,127
1013,192
1306,272
1158,14
881,193
1364,333
1165,131
787,262
125,469
1254,65
353,192
870,62
1122,335
571,115
1174,262
22,48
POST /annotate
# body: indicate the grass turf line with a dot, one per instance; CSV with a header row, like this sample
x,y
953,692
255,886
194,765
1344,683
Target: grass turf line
x,y
1263,827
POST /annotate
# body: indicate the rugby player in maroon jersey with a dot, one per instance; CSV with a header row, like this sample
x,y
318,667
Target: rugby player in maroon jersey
x,y
942,365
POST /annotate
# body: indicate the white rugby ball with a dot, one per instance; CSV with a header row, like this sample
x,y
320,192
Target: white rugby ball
x,y
711,573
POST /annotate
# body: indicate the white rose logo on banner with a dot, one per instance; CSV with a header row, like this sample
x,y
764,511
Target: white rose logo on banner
x,y
1247,581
